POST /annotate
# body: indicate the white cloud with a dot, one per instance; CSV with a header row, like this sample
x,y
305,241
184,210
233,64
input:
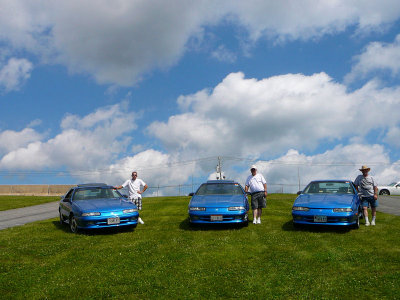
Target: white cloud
x,y
11,140
121,41
84,143
393,137
341,162
376,57
253,118
14,74
223,54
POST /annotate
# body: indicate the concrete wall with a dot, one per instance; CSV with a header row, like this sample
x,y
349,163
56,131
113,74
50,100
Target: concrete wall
x,y
35,189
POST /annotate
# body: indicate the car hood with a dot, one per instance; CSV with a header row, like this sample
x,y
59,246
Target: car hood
x,y
325,200
218,200
102,205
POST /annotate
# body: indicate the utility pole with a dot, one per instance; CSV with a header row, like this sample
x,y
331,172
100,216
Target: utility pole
x,y
219,168
298,175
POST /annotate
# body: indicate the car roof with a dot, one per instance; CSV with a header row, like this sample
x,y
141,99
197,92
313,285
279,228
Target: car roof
x,y
333,180
92,185
220,181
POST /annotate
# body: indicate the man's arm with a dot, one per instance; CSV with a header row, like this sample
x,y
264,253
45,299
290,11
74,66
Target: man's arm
x,y
265,189
246,188
144,189
118,187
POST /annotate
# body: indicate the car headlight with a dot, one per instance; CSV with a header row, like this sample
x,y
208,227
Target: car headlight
x,y
236,208
342,210
90,214
300,208
127,211
197,208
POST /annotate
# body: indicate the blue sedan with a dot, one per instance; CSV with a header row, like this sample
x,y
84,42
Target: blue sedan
x,y
92,206
328,202
219,201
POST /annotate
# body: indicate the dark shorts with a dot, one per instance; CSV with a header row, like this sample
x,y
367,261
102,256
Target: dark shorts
x,y
366,201
258,200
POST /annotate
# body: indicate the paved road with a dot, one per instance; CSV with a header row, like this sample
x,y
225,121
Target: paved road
x,y
21,216
389,204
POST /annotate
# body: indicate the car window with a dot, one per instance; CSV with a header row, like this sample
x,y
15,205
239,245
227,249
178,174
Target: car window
x,y
220,189
96,193
329,187
68,195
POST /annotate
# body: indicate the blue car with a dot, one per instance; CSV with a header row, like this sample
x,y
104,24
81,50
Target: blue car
x,y
219,201
96,205
328,202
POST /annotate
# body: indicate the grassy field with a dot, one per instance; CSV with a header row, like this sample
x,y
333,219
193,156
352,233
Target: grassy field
x,y
11,202
166,258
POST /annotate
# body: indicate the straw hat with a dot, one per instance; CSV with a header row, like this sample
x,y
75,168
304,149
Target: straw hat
x,y
364,168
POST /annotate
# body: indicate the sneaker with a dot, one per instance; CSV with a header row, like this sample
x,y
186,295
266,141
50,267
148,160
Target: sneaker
x,y
367,223
140,221
373,222
259,221
254,221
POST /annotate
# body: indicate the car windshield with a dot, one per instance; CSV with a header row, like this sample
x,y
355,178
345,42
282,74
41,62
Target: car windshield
x,y
392,184
220,189
329,187
96,193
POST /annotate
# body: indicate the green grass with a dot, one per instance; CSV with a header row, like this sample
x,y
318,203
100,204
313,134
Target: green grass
x,y
11,202
166,258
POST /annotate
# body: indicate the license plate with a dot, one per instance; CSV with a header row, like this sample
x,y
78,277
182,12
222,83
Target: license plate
x,y
111,221
216,218
320,219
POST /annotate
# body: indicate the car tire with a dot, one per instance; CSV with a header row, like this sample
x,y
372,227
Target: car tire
x,y
61,218
73,225
357,224
384,192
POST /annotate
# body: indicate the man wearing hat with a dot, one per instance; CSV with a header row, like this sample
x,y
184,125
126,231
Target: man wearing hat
x,y
368,190
258,188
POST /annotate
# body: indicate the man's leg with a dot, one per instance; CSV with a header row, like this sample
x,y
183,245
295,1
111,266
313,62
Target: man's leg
x,y
255,211
365,210
259,215
373,209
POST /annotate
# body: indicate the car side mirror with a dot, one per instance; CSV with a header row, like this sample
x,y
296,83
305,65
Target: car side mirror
x,y
299,192
191,194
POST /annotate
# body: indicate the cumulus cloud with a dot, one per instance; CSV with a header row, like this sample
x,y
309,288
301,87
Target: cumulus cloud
x,y
376,56
342,162
120,41
11,140
14,74
250,117
87,142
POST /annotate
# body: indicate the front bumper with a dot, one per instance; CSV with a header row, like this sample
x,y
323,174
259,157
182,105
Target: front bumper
x,y
339,219
93,222
224,217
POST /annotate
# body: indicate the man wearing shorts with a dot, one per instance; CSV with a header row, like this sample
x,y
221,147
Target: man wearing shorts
x,y
136,188
257,185
368,190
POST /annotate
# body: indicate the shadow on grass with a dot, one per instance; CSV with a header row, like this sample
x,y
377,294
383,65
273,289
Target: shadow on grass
x,y
102,231
186,225
289,226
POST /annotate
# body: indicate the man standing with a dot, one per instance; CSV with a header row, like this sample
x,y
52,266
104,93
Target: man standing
x,y
135,193
368,189
258,188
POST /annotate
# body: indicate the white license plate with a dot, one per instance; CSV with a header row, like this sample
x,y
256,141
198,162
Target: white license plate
x,y
320,219
216,218
111,221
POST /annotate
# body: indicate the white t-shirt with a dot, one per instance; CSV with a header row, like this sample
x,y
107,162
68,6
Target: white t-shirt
x,y
256,183
133,187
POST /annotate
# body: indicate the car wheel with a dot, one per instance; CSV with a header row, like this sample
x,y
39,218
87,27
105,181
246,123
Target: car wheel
x,y
61,218
357,224
73,225
384,192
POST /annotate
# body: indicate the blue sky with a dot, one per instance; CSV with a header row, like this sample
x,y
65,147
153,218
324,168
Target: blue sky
x,y
91,90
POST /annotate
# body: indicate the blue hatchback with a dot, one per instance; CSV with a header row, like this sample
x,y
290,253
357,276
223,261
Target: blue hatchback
x,y
328,202
219,201
94,205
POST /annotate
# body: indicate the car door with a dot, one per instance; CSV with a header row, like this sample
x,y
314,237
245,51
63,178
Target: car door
x,y
65,203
